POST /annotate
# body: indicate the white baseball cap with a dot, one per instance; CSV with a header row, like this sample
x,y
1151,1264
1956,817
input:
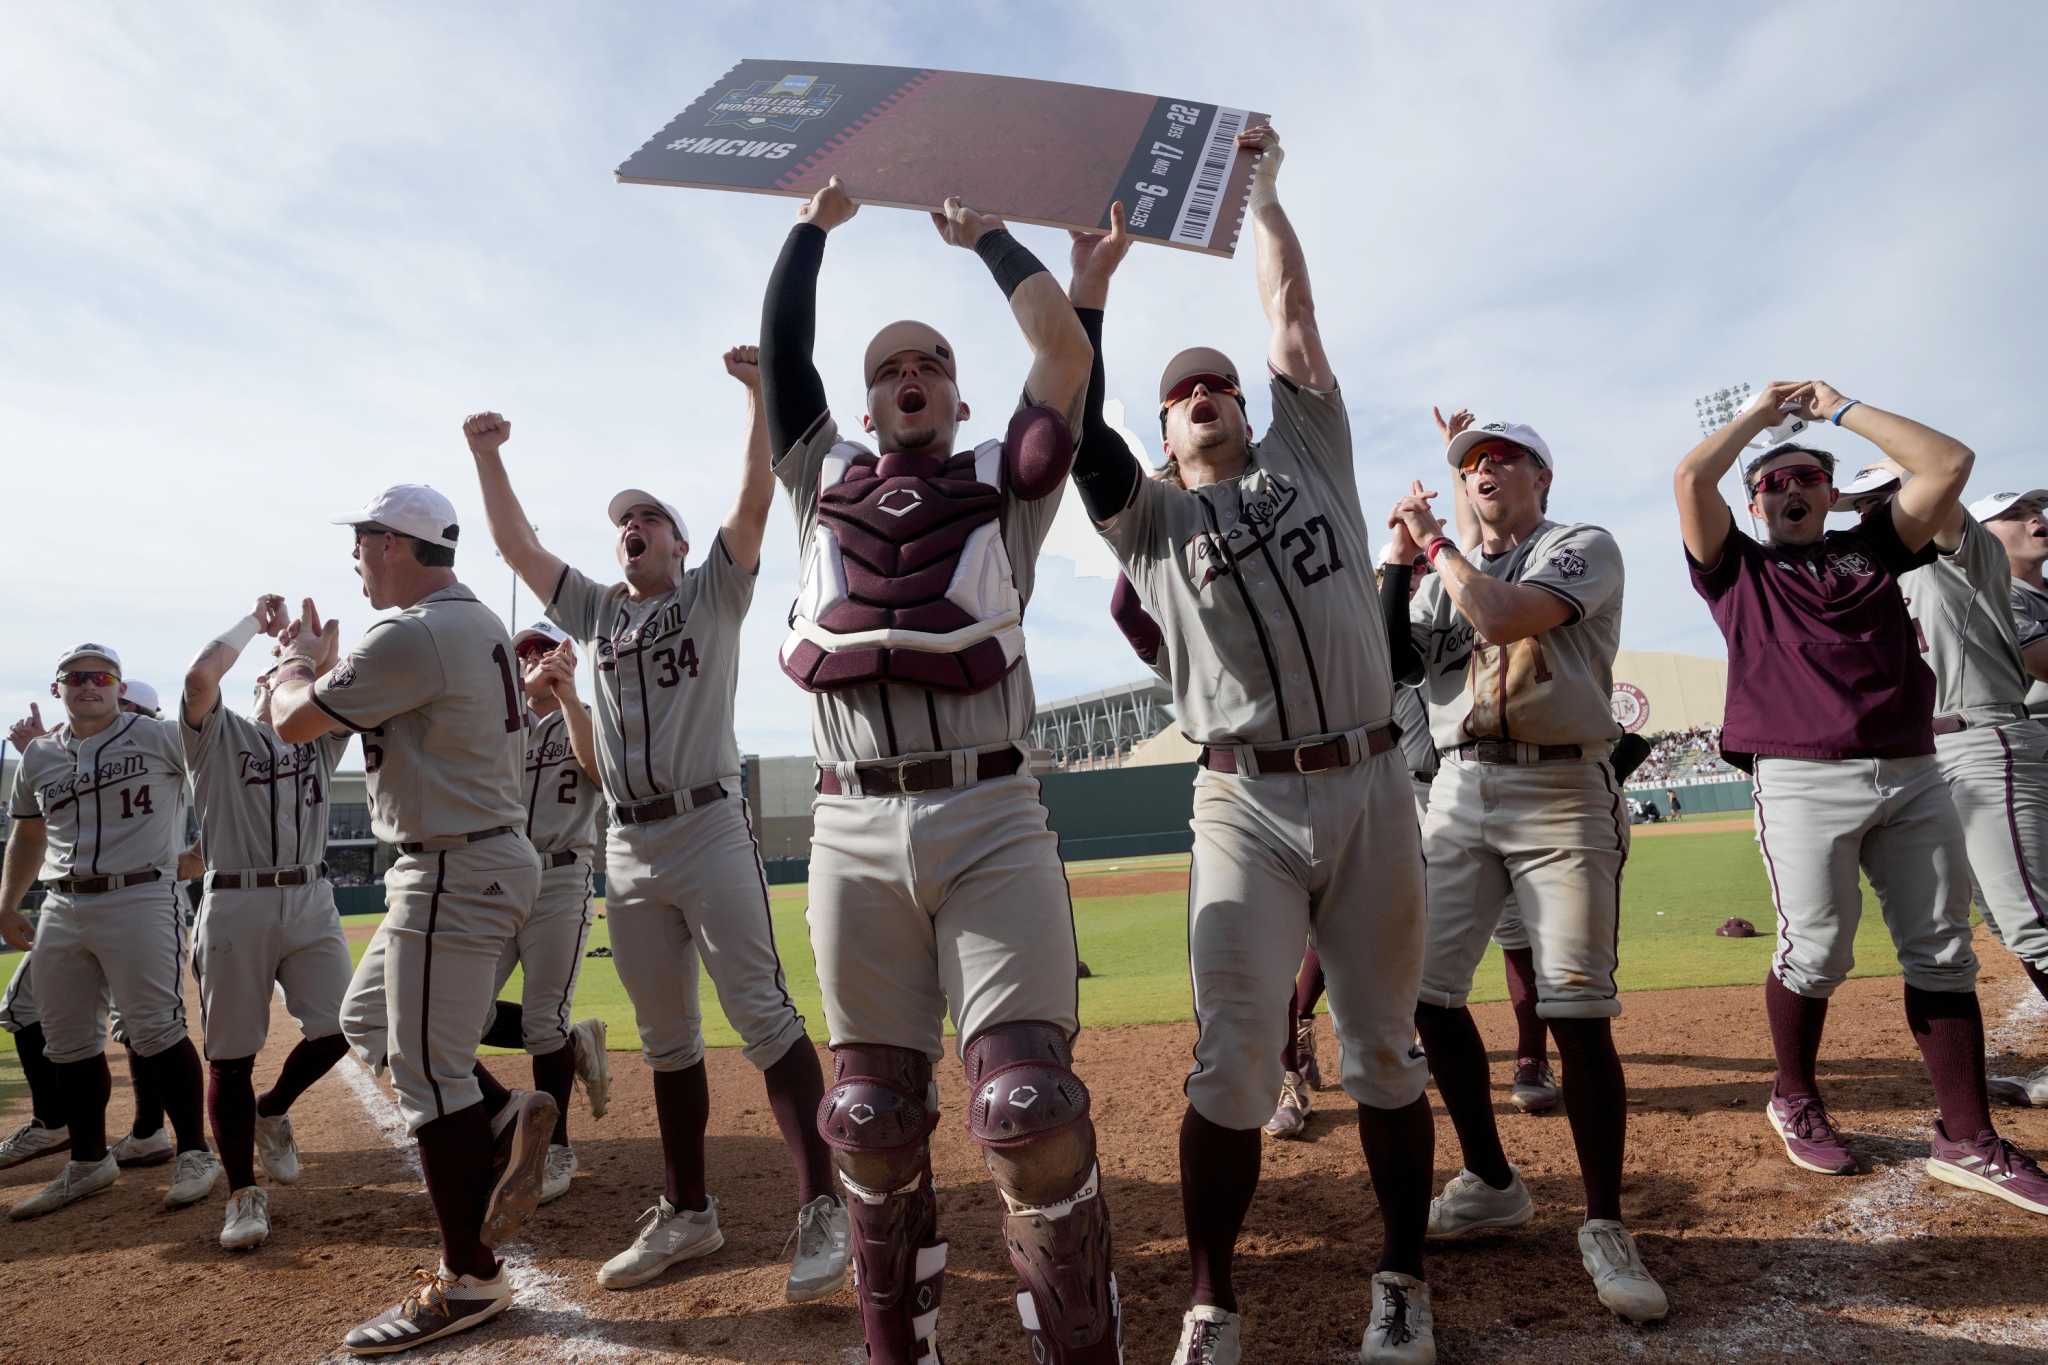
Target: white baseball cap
x,y
411,509
1517,433
1998,504
141,694
539,630
1872,478
627,499
89,651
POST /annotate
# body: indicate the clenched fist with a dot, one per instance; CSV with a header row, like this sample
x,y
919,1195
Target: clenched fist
x,y
744,364
486,432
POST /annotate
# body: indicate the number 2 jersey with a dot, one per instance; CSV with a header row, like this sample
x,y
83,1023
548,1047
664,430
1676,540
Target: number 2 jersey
x,y
561,800
666,667
262,803
111,804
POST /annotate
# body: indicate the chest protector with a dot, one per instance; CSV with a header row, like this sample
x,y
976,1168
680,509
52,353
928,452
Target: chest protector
x,y
906,578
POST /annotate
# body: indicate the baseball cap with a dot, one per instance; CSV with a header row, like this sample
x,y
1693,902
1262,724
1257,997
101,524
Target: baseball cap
x,y
539,630
1872,478
411,509
89,651
1515,433
627,499
141,694
1998,504
1196,360
908,335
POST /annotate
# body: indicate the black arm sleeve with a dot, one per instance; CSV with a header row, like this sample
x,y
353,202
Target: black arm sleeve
x,y
1105,471
1402,655
790,386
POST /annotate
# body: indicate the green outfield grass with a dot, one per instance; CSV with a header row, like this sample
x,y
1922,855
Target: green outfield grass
x,y
1678,887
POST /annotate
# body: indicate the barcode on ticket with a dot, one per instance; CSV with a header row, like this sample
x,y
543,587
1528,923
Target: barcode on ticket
x,y
1197,221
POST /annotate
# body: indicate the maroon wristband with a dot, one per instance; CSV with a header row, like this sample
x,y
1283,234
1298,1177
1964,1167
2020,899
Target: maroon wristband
x,y
1436,546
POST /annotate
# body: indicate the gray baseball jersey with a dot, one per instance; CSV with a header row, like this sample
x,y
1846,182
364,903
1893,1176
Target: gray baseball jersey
x,y
1552,688
435,692
667,667
889,720
1411,713
262,802
1962,615
561,800
113,803
1263,585
2030,620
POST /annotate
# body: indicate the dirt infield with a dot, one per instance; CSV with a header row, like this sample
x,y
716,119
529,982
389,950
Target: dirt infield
x,y
1762,1261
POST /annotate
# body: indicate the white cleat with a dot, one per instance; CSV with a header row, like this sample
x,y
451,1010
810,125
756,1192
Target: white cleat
x,y
277,1149
30,1141
823,1236
519,1156
1208,1336
1468,1205
248,1221
192,1179
666,1236
1290,1116
1624,1285
77,1180
1401,1331
593,1064
2024,1091
557,1173
153,1150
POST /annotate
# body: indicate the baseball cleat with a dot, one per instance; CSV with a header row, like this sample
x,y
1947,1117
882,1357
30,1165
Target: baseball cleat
x,y
666,1235
30,1141
1535,1086
1208,1336
558,1171
822,1236
593,1064
277,1149
1305,1052
1401,1330
1468,1205
1290,1116
193,1178
248,1222
519,1158
2024,1091
77,1180
153,1150
1802,1124
1619,1277
439,1305
1989,1164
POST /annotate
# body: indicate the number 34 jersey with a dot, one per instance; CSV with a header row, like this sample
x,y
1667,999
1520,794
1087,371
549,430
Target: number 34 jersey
x,y
666,669
262,802
112,803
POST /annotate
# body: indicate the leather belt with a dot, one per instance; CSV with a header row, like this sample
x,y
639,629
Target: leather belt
x,y
667,807
93,886
1319,757
914,777
1515,751
454,840
263,881
561,859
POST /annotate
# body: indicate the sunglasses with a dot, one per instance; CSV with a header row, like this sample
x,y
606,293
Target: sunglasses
x,y
88,677
528,653
1214,383
1500,452
1803,476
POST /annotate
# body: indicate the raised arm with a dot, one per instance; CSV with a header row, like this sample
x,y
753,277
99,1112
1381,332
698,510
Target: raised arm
x,y
27,840
792,394
748,520
1060,353
1937,466
1500,613
202,677
511,532
1296,348
1704,520
1105,470
310,647
1466,520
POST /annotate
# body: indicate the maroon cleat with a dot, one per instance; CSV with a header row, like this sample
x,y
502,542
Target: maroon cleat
x,y
1802,1124
1988,1164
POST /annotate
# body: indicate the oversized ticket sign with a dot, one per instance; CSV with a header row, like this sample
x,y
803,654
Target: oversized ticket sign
x,y
908,137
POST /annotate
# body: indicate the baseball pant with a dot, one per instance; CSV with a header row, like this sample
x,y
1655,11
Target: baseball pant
x,y
130,943
1998,778
1552,835
1817,822
1329,856
550,949
1509,933
248,940
18,1008
448,916
950,900
691,889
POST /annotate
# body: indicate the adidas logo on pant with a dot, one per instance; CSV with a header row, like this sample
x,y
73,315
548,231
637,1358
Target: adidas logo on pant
x,y
492,890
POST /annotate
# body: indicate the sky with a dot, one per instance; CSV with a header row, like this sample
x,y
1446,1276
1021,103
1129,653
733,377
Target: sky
x,y
260,261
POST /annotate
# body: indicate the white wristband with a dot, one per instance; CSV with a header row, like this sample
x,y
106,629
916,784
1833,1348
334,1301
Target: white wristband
x,y
237,636
1265,188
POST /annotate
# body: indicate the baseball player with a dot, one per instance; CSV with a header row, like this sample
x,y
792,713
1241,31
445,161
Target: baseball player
x,y
936,884
684,881
1513,645
1254,559
98,808
2024,534
1830,707
1992,753
267,919
434,691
